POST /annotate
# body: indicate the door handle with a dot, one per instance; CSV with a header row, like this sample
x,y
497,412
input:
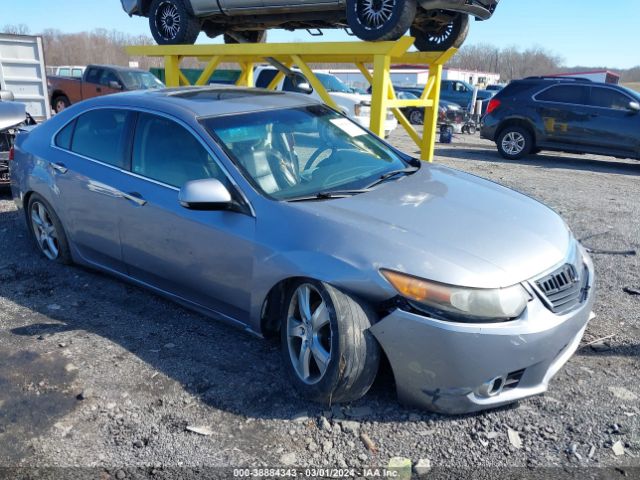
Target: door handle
x,y
98,89
135,197
60,168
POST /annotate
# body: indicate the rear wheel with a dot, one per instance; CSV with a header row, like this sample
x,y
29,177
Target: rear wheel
x,y
172,24
47,231
380,19
441,32
328,350
60,103
514,142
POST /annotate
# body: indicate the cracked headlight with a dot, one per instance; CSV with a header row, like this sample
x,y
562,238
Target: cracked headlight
x,y
460,303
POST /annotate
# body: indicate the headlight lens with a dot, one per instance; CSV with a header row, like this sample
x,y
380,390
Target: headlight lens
x,y
460,303
362,110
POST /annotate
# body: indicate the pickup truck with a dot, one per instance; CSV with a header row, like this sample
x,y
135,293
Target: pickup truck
x,y
98,80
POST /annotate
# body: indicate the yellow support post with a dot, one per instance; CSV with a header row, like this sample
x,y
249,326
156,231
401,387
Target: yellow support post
x,y
314,82
379,93
209,70
381,54
427,148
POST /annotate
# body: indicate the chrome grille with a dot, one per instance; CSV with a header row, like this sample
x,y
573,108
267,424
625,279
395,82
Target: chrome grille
x,y
565,288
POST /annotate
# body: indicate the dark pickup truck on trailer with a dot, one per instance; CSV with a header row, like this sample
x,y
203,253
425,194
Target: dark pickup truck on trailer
x,y
98,80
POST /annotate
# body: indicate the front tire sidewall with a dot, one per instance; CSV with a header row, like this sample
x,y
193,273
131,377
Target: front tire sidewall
x,y
402,16
189,27
332,387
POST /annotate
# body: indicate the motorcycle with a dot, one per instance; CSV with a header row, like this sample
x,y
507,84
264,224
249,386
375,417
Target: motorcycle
x,y
13,117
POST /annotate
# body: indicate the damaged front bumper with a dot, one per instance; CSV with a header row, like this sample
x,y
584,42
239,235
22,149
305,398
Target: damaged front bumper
x,y
458,368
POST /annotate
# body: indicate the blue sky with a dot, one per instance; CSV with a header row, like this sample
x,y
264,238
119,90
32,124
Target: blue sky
x,y
583,32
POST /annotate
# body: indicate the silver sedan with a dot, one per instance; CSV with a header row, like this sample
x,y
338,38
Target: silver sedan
x,y
279,215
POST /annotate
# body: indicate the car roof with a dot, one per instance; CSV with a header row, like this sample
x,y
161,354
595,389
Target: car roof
x,y
208,101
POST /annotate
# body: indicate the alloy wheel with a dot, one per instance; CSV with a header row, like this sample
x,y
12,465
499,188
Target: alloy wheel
x,y
442,36
373,14
44,231
309,334
513,143
168,20
416,117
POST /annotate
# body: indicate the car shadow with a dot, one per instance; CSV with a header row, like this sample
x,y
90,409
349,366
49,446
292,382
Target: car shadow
x,y
545,160
224,367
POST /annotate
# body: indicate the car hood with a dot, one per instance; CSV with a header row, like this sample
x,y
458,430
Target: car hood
x,y
12,114
350,97
447,226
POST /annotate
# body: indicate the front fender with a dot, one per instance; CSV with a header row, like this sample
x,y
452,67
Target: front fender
x,y
340,273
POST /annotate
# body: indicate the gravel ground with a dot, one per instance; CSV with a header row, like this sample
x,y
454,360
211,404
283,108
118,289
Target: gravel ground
x,y
96,373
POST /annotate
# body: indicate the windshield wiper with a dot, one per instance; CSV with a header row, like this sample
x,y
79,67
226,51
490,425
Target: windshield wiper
x,y
327,195
393,173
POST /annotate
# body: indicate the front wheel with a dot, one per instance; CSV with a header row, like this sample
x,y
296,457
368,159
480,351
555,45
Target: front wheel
x,y
416,117
514,143
172,24
441,33
373,20
328,350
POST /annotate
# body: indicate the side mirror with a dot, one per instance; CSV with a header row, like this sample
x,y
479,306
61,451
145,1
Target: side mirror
x,y
301,84
115,85
207,194
634,106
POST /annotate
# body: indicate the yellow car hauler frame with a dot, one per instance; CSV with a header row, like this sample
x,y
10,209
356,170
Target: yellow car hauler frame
x,y
373,59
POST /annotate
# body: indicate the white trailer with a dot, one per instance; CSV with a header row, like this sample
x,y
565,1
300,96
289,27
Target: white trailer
x,y
23,73
410,77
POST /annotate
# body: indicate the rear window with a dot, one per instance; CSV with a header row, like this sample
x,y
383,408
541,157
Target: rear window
x,y
514,89
574,94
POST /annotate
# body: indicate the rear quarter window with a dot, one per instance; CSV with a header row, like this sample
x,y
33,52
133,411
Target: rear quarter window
x,y
64,137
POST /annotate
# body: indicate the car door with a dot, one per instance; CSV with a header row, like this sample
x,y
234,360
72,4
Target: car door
x,y
613,125
564,114
204,257
95,82
89,174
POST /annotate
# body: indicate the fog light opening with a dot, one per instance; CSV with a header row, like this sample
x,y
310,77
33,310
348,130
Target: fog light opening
x,y
492,387
496,386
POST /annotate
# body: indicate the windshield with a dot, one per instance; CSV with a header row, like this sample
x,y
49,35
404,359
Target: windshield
x,y
633,93
333,84
140,80
304,151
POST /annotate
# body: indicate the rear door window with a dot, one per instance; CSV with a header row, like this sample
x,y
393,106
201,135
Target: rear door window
x,y
608,98
102,135
573,94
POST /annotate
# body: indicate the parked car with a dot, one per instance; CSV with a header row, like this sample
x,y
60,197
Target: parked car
x,y
98,80
436,24
564,114
460,92
352,104
273,212
449,114
12,116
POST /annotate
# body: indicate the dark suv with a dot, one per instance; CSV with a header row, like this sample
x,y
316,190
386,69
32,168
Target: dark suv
x,y
568,114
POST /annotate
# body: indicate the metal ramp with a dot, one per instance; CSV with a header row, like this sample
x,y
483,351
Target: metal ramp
x,y
373,59
22,72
